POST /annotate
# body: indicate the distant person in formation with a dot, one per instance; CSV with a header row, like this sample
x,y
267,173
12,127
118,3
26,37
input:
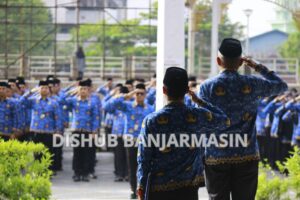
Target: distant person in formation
x,y
80,58
233,171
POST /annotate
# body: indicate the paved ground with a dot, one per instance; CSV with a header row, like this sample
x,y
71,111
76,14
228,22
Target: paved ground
x,y
104,188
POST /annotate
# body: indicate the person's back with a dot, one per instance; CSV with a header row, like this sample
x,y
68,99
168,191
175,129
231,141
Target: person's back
x,y
238,96
176,169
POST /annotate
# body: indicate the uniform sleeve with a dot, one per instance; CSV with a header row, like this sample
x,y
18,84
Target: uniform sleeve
x,y
269,108
279,111
58,119
144,157
204,92
270,84
287,116
17,124
118,103
213,119
95,118
102,90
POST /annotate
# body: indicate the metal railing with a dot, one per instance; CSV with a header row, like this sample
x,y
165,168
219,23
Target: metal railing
x,y
124,67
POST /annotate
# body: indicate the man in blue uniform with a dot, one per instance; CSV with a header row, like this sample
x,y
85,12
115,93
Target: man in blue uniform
x,y
135,112
85,124
9,126
175,173
234,171
118,129
46,122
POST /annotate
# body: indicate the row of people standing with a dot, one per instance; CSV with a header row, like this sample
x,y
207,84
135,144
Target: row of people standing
x,y
42,114
277,126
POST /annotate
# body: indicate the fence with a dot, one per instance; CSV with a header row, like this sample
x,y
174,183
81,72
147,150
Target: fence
x,y
36,67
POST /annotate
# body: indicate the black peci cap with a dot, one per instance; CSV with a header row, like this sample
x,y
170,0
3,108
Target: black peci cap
x,y
231,48
89,82
20,80
11,80
176,77
43,83
176,81
85,83
3,84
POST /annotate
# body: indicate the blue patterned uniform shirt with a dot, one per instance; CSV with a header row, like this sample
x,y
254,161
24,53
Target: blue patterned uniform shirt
x,y
292,112
8,117
134,113
45,116
238,96
85,113
176,167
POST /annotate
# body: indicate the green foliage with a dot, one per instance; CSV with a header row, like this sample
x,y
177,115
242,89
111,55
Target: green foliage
x,y
275,186
226,28
290,48
21,175
133,38
25,27
129,38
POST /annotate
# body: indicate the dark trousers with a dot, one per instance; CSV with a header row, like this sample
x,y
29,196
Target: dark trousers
x,y
120,159
132,166
187,193
47,140
82,155
58,156
93,151
107,131
262,145
4,137
237,180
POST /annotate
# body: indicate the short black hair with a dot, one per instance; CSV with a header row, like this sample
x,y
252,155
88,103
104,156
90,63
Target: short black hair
x,y
140,86
140,80
109,79
129,82
124,90
192,78
119,85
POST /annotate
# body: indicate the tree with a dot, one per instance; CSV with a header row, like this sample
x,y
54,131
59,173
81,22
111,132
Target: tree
x,y
290,48
124,39
226,28
25,27
132,37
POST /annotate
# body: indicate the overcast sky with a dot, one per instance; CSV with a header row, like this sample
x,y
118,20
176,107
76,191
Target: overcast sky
x,y
260,20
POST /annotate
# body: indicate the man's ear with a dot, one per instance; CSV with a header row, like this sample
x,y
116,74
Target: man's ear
x,y
241,62
165,91
219,61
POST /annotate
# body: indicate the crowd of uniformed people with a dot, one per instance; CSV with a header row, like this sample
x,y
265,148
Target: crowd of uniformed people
x,y
40,113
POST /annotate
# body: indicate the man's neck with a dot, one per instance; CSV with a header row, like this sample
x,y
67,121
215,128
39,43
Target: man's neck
x,y
141,103
176,101
83,98
2,98
43,96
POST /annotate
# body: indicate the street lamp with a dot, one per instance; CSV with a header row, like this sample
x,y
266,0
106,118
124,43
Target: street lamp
x,y
248,13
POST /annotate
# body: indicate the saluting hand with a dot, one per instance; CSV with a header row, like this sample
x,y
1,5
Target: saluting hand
x,y
196,99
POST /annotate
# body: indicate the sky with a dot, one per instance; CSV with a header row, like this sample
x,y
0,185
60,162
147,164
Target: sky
x,y
260,20
262,16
